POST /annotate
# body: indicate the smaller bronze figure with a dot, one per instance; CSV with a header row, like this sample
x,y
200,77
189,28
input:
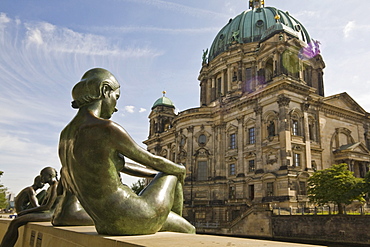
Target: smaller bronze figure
x,y
42,213
28,198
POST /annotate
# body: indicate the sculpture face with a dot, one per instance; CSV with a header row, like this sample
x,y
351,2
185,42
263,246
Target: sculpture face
x,y
39,184
109,103
45,177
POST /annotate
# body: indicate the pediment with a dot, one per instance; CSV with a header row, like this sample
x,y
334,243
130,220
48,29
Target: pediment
x,y
269,176
345,102
357,147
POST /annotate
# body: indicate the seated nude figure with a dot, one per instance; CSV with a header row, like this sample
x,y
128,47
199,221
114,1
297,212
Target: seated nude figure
x,y
92,150
42,213
27,198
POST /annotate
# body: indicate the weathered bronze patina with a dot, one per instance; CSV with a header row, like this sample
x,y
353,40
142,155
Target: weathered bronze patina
x,y
28,198
43,213
92,150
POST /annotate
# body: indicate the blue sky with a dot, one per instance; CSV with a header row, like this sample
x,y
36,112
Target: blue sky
x,y
150,46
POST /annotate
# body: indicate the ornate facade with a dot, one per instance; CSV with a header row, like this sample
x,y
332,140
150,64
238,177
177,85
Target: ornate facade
x,y
263,124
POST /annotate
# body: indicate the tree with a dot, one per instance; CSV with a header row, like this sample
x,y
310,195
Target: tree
x,y
336,185
138,186
3,200
366,184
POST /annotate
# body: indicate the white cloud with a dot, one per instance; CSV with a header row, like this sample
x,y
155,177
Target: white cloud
x,y
21,158
142,110
349,28
64,40
3,20
130,108
34,36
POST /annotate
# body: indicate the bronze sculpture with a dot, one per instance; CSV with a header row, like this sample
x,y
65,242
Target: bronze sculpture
x,y
69,211
40,214
28,198
92,150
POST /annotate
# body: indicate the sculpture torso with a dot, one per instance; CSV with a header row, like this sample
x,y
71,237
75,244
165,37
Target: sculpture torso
x,y
91,166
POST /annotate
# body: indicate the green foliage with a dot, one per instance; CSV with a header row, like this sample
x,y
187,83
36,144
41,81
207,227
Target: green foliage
x,y
3,200
335,185
138,186
366,184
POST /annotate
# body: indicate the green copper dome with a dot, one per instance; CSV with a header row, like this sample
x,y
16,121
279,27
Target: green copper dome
x,y
163,101
255,25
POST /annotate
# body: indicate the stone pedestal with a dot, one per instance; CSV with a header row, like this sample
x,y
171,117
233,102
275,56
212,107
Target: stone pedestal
x,y
45,235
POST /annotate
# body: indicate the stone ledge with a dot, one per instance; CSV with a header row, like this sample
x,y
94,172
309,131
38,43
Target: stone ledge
x,y
43,234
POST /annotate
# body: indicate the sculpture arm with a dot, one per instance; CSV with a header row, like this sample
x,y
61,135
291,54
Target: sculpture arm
x,y
50,200
33,199
125,145
138,170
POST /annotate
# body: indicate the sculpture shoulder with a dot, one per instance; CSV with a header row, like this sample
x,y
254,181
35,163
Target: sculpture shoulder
x,y
26,191
95,125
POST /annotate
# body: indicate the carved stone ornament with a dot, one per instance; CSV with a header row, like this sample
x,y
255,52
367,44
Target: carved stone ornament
x,y
283,100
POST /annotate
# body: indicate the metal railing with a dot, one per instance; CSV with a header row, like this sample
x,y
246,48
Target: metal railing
x,y
207,224
321,210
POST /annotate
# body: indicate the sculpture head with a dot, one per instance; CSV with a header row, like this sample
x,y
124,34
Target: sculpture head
x,y
92,86
37,183
48,174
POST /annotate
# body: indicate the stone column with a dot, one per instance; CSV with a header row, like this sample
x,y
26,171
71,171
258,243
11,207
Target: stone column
x,y
203,92
189,156
229,78
213,90
240,165
177,150
307,138
209,91
222,83
151,129
284,130
220,150
258,136
214,157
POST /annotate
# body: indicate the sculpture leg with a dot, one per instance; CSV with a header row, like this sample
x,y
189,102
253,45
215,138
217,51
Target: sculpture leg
x,y
160,193
11,235
170,188
176,223
178,201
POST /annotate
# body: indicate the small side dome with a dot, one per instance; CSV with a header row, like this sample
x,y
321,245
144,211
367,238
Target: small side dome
x,y
163,101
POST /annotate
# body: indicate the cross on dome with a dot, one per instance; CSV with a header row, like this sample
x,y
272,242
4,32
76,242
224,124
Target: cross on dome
x,y
256,4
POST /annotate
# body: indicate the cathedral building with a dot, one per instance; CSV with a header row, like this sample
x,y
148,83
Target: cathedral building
x,y
264,124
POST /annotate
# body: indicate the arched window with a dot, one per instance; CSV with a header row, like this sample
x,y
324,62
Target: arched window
x,y
232,141
271,129
269,70
202,171
312,129
296,123
295,127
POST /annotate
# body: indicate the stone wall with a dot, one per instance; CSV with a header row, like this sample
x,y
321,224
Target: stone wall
x,y
333,228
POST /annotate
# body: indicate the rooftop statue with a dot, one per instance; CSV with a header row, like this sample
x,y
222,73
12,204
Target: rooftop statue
x,y
41,213
28,198
92,150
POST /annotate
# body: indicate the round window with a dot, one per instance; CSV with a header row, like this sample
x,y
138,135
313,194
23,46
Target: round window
x,y
259,23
